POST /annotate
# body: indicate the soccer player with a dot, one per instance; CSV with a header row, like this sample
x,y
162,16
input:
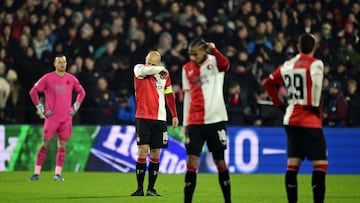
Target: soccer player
x,y
57,87
152,88
302,76
205,112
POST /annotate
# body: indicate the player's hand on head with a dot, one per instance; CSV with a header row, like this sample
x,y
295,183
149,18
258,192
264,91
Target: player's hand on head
x,y
210,45
164,74
175,122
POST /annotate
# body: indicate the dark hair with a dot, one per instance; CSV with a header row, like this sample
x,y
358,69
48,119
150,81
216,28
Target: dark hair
x,y
306,43
198,42
335,84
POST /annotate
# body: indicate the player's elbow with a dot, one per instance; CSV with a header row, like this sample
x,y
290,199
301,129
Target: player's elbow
x,y
137,74
32,91
138,71
83,92
266,83
225,66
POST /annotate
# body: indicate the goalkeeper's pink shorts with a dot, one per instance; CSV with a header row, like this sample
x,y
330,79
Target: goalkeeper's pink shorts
x,y
63,128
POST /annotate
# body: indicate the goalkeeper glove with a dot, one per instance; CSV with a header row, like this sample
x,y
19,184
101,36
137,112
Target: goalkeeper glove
x,y
74,108
41,109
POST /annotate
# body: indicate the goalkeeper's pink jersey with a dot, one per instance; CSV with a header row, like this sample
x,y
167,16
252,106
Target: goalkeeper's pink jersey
x,y
58,91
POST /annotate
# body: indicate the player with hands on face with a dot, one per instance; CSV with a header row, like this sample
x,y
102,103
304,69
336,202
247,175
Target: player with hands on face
x,y
152,91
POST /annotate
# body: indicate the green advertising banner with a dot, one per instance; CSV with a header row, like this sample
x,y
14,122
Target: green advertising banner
x,y
19,145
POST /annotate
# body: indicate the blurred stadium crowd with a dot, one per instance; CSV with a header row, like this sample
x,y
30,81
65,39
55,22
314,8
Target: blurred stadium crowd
x,y
103,39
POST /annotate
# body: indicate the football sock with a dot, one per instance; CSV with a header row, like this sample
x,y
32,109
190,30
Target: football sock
x,y
140,171
291,185
190,183
60,158
318,184
40,159
224,181
153,171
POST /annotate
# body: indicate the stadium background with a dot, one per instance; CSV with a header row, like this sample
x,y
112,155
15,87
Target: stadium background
x,y
104,39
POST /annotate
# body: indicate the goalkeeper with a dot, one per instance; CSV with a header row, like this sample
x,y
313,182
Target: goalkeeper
x,y
57,87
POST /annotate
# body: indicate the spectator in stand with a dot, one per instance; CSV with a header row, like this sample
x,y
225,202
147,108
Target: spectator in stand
x,y
16,101
337,108
109,58
340,74
349,57
353,99
41,43
105,103
88,76
327,43
8,41
126,107
4,91
234,104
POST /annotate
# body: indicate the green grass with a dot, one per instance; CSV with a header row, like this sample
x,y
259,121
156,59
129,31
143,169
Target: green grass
x,y
117,187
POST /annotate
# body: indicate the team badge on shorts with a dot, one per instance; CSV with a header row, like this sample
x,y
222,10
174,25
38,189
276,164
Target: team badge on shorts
x,y
165,137
137,138
187,140
222,136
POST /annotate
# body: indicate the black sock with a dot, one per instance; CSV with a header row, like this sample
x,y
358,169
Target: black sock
x,y
140,173
190,183
224,181
291,185
153,172
318,186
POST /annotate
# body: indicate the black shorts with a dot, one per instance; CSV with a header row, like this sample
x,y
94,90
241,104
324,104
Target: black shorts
x,y
214,135
306,143
151,132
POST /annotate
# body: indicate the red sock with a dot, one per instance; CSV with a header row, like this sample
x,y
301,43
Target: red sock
x,y
60,156
41,156
222,169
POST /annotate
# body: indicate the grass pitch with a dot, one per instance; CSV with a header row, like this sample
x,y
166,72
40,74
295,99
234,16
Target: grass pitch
x,y
117,187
